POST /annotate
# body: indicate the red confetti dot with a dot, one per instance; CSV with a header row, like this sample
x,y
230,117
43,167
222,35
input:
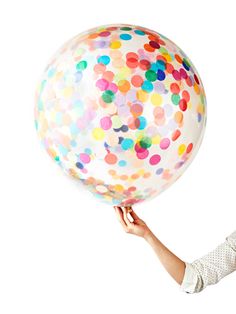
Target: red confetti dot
x,y
189,81
183,104
174,87
144,64
132,55
169,68
154,44
189,148
132,63
196,79
137,80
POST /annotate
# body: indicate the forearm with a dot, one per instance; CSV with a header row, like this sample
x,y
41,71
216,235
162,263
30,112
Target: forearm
x,y
174,265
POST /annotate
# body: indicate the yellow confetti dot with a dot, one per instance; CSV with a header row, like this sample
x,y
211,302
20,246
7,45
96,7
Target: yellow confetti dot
x,y
98,134
181,149
142,95
141,172
67,91
118,188
156,99
156,139
115,44
200,108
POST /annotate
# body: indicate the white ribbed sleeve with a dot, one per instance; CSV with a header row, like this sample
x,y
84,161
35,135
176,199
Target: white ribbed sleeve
x,y
212,267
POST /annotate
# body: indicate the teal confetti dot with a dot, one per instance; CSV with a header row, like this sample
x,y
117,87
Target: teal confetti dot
x,y
143,122
139,32
104,59
147,86
127,143
122,163
175,98
82,65
88,151
108,96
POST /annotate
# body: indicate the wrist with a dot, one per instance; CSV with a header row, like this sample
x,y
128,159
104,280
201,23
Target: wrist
x,y
148,235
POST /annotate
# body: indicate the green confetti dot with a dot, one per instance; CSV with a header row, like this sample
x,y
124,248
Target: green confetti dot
x,y
145,142
57,158
126,28
82,65
108,96
186,62
175,98
151,75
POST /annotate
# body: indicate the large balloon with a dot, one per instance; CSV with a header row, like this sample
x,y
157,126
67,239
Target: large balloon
x,y
122,109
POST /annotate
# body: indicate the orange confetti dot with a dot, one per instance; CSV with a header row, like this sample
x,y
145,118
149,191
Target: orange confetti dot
x,y
134,176
176,134
178,58
179,117
124,86
123,177
111,159
149,48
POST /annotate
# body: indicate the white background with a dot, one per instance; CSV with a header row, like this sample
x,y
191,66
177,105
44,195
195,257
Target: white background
x,y
62,251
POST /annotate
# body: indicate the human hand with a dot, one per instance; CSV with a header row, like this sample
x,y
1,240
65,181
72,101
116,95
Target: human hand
x,y
137,227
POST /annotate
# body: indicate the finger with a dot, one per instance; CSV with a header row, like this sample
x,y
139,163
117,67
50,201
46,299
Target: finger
x,y
134,215
120,216
126,219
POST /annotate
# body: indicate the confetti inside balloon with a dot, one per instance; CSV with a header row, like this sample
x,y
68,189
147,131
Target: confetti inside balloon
x,y
122,109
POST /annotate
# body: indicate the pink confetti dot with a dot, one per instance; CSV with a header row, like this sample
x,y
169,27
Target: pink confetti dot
x,y
143,154
176,75
102,84
85,158
106,123
155,159
165,143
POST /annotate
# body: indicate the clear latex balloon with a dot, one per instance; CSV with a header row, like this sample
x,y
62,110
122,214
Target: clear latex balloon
x,y
122,109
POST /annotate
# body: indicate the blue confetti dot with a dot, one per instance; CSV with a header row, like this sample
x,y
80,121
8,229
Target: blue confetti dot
x,y
161,75
125,36
159,171
199,117
79,165
124,128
